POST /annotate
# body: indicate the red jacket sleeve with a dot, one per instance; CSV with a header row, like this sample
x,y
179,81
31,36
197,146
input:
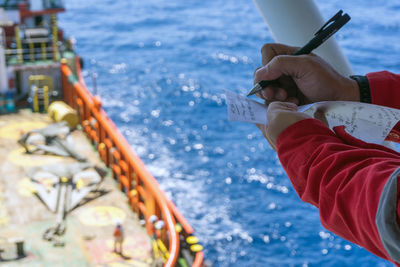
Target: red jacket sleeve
x,y
385,88
385,91
341,175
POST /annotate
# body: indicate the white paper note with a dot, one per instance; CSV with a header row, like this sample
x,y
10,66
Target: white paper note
x,y
244,109
370,123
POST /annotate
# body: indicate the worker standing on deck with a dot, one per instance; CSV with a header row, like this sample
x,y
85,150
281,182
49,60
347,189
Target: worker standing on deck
x,y
118,237
353,183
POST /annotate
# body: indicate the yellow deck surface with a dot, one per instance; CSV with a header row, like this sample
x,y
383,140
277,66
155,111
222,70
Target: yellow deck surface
x,y
89,232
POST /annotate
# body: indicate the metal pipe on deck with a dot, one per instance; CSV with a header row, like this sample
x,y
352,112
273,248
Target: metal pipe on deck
x,y
55,36
3,71
31,51
43,46
19,44
294,22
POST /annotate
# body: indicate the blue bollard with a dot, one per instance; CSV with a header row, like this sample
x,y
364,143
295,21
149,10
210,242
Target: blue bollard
x,y
2,104
10,102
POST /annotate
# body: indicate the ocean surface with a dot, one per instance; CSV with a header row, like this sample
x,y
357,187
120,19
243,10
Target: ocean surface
x,y
162,69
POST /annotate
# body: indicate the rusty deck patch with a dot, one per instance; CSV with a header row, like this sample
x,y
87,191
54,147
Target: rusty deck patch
x,y
88,240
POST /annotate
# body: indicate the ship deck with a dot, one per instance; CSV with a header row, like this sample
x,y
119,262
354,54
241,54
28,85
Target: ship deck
x,y
88,240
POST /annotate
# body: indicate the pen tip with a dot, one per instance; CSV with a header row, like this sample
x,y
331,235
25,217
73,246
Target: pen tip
x,y
255,89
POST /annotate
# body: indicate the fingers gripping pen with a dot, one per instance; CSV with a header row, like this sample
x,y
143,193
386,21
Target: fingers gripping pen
x,y
323,34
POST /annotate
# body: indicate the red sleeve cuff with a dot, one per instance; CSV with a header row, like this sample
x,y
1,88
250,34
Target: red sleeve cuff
x,y
302,128
385,88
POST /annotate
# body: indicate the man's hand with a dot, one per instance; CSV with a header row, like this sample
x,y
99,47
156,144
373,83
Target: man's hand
x,y
301,79
280,115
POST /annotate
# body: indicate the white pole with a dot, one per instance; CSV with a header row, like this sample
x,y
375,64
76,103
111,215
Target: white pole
x,y
3,71
294,22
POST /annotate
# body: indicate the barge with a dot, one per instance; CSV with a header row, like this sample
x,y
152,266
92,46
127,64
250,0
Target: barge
x,y
67,174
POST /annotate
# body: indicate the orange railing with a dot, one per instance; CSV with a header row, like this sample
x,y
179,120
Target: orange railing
x,y
141,188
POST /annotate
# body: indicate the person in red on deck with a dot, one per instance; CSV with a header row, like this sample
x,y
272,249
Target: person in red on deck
x,y
118,237
353,183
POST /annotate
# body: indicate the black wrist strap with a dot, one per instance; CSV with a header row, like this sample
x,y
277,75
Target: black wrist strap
x,y
363,84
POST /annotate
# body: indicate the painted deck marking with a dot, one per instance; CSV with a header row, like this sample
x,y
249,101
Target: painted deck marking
x,y
20,158
101,215
15,130
25,187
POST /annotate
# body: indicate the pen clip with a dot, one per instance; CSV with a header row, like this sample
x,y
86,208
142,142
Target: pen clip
x,y
333,20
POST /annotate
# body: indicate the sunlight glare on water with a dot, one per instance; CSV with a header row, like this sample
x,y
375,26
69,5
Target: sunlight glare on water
x,y
162,69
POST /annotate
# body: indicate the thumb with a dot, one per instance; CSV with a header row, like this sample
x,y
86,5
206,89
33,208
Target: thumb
x,y
293,66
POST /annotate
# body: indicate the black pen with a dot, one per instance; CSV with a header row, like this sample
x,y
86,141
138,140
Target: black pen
x,y
323,34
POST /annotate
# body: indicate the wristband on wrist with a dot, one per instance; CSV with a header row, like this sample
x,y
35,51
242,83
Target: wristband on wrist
x,y
363,85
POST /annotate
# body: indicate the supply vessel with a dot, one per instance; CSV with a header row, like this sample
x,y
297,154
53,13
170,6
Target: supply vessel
x,y
68,177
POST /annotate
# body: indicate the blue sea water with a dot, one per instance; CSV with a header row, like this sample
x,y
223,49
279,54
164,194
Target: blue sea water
x,y
162,69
